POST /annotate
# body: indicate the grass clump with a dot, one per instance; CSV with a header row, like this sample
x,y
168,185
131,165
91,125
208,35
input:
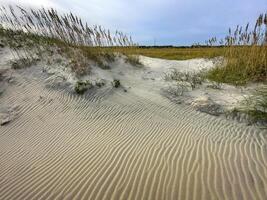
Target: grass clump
x,y
67,27
116,83
80,68
256,105
79,64
108,56
22,63
185,81
245,53
100,83
103,65
133,60
185,78
82,86
31,32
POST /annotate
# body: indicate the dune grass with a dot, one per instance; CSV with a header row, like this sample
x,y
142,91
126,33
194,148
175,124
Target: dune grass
x,y
133,60
244,64
245,53
69,28
256,105
30,32
244,50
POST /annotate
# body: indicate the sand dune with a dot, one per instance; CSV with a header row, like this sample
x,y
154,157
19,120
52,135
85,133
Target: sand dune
x,y
124,146
112,144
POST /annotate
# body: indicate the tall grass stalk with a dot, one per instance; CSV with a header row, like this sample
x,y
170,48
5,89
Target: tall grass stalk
x,y
29,32
245,53
67,27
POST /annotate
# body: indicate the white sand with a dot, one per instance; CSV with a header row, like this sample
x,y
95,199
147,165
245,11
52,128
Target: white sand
x,y
112,144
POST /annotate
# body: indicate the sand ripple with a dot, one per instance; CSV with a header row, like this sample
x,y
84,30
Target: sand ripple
x,y
116,145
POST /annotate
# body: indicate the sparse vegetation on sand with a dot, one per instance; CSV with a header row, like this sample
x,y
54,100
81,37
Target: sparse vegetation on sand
x,y
116,83
256,105
183,79
30,32
100,83
35,34
22,63
82,86
133,60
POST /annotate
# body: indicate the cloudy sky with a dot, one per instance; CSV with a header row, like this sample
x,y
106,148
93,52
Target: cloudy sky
x,y
176,22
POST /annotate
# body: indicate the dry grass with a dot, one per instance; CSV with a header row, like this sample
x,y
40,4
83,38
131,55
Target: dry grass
x,y
245,53
23,63
30,32
133,60
67,27
25,30
172,53
243,65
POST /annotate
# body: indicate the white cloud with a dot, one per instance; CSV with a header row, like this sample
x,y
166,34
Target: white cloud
x,y
33,3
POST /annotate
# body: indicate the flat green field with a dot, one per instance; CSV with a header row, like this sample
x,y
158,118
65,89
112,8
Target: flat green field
x,y
173,53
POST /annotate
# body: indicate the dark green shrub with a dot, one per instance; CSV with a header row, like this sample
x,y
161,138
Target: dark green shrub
x,y
116,83
82,86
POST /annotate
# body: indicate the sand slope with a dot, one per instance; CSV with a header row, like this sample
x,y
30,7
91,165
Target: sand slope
x,y
117,145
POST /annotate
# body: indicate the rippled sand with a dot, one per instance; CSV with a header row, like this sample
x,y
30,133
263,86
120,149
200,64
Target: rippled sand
x,y
117,145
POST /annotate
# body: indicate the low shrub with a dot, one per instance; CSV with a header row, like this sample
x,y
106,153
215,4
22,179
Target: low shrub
x,y
116,83
82,86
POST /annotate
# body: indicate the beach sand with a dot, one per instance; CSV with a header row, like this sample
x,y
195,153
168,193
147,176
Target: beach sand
x,y
113,144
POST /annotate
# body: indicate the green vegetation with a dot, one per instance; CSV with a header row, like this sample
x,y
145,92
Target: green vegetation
x,y
192,79
25,30
100,83
31,32
34,33
256,105
116,83
82,86
245,53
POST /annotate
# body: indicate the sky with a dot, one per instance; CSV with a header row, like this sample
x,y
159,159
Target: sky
x,y
163,22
